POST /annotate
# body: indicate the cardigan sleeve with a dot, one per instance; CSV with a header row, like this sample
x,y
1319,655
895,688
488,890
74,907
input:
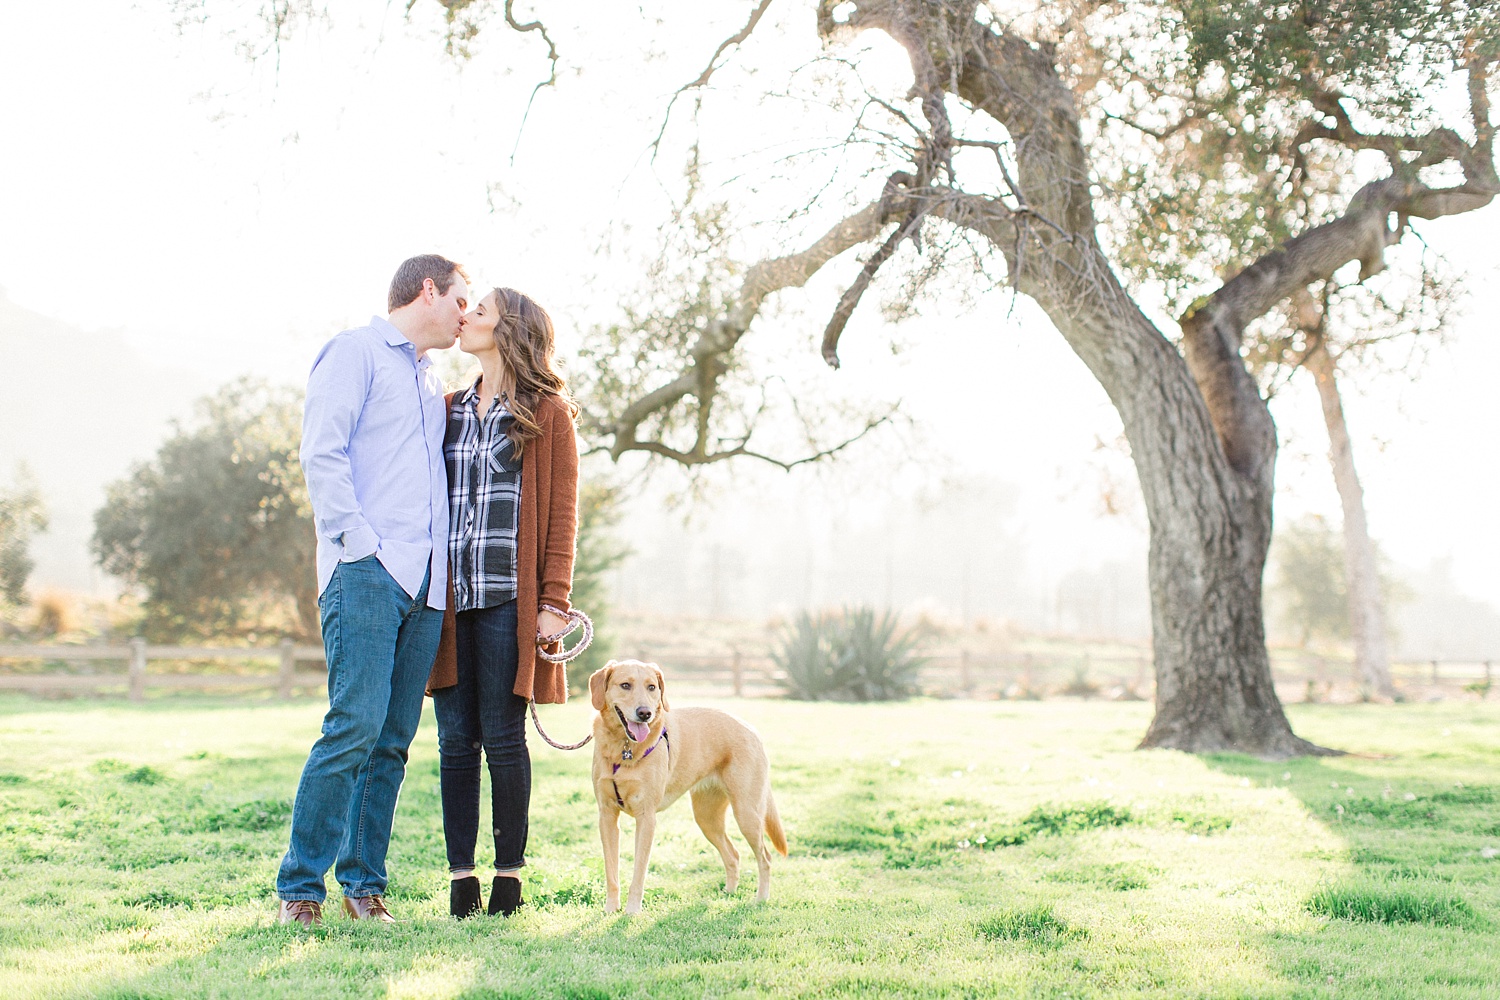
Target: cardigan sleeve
x,y
562,514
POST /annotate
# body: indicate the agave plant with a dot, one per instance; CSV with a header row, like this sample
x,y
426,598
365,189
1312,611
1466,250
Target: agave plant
x,y
853,655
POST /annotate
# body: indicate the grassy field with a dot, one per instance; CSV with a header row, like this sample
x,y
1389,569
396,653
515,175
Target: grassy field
x,y
938,849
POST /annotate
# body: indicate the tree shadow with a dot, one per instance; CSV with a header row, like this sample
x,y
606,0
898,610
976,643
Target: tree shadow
x,y
1409,899
556,951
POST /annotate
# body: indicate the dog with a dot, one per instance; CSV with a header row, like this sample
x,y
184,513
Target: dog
x,y
646,756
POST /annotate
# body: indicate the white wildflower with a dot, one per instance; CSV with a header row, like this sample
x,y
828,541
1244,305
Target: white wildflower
x,y
895,761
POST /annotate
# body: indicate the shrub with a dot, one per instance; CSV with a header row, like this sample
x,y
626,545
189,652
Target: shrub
x,y
854,655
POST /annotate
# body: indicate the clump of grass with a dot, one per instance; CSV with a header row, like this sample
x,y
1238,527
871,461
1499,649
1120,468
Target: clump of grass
x,y
1202,824
144,775
1059,820
1374,903
1036,925
255,817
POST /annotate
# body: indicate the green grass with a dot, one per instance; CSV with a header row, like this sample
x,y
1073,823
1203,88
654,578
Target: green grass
x,y
939,849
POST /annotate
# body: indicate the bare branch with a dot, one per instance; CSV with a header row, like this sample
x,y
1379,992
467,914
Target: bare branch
x,y
510,19
708,71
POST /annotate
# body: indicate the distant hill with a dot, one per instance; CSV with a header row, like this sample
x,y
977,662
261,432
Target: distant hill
x,y
79,408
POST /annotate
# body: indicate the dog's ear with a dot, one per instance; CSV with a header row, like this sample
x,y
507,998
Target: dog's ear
x,y
661,688
598,681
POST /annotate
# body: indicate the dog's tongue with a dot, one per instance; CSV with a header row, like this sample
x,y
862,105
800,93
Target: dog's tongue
x,y
638,731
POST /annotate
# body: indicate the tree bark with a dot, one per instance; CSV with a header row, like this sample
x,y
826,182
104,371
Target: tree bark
x,y
1372,667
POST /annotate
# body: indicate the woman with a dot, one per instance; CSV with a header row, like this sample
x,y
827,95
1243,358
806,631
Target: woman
x,y
512,491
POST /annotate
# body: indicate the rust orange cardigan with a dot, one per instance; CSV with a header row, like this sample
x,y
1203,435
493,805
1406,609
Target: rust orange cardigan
x,y
545,543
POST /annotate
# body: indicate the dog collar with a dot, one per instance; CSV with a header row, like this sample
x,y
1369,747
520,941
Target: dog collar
x,y
619,799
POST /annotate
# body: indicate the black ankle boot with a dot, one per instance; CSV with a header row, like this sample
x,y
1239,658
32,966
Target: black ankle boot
x,y
463,897
505,896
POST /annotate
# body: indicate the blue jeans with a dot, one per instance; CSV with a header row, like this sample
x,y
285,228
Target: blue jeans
x,y
380,643
482,712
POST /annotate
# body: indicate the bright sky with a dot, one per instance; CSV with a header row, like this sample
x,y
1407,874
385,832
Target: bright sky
x,y
226,216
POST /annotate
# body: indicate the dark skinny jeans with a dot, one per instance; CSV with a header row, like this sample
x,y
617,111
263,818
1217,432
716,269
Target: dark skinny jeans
x,y
481,712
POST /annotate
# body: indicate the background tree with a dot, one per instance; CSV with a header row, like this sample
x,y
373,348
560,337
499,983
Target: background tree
x,y
22,515
1358,327
217,530
1309,580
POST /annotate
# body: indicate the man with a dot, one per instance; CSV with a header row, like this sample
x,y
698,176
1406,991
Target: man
x,y
372,452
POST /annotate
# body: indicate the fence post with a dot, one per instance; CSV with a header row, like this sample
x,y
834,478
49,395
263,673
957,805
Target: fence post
x,y
1434,671
964,683
739,674
137,669
288,668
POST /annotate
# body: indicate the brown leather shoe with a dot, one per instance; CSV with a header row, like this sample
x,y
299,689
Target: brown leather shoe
x,y
306,912
368,908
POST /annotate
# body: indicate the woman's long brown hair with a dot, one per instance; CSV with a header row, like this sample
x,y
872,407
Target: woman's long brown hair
x,y
524,337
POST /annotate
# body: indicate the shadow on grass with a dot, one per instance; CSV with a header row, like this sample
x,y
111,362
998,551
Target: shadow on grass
x,y
1416,881
571,952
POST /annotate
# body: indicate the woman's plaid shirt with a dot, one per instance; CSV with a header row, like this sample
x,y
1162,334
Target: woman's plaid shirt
x,y
484,498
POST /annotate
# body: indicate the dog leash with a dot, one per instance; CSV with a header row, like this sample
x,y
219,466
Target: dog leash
x,y
574,618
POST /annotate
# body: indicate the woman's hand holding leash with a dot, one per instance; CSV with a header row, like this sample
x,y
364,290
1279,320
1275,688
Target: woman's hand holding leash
x,y
550,623
567,622
553,625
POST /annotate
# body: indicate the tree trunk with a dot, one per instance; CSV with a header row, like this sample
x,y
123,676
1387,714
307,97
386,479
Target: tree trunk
x,y
1372,666
1200,435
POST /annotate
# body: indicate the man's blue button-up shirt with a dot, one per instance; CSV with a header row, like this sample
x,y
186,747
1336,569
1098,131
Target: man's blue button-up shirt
x,y
372,452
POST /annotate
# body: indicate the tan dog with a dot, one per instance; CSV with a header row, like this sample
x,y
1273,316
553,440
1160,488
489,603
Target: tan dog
x,y
646,756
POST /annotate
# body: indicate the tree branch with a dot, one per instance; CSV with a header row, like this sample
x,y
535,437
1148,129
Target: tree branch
x,y
707,358
510,19
708,71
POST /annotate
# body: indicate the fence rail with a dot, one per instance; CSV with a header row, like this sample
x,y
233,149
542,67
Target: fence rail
x,y
137,654
945,673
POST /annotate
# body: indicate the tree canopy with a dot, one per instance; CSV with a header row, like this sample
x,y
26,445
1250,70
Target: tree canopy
x,y
216,529
22,515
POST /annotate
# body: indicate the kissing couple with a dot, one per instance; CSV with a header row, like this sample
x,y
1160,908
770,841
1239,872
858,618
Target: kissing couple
x,y
446,527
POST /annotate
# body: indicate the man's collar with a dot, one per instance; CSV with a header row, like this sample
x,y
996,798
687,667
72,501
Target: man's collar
x,y
393,336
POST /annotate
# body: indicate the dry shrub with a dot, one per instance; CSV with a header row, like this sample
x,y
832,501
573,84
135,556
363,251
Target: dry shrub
x,y
54,613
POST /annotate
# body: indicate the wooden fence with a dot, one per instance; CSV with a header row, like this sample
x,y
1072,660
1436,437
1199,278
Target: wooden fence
x,y
137,655
952,673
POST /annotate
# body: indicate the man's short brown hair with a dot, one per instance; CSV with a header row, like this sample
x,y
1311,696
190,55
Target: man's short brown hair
x,y
407,284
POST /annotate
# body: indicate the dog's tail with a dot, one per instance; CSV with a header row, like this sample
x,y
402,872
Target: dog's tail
x,y
773,825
